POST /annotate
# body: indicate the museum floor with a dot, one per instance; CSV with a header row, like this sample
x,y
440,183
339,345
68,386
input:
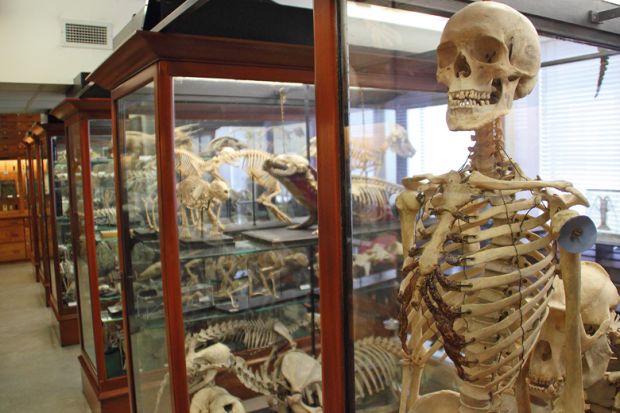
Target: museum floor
x,y
36,374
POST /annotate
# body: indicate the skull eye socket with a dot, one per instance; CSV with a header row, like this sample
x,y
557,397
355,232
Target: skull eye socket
x,y
487,49
446,54
591,329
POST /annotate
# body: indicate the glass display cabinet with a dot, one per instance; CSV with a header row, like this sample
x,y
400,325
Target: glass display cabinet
x,y
29,167
94,249
41,209
376,66
217,203
63,285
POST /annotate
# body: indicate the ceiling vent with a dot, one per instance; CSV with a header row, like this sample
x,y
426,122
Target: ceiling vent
x,y
86,35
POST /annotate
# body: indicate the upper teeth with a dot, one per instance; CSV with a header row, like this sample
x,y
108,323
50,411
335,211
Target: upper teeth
x,y
468,98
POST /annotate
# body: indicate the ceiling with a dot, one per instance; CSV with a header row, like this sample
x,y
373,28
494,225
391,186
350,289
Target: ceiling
x,y
30,98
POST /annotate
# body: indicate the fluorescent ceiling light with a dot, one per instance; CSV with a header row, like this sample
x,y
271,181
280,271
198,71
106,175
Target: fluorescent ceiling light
x,y
396,16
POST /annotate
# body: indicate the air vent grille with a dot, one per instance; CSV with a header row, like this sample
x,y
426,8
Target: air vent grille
x,y
78,34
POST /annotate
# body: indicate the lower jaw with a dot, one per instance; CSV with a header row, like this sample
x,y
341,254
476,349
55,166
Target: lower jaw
x,y
544,392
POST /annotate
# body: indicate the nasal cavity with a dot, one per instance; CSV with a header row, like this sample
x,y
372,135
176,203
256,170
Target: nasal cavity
x,y
543,349
461,67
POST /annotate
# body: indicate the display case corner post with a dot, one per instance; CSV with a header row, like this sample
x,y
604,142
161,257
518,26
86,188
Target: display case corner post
x,y
122,244
164,113
332,168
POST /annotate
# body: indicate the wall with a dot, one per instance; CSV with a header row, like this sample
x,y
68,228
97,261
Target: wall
x,y
31,37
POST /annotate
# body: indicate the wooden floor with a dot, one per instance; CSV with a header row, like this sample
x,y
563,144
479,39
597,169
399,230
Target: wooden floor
x,y
36,374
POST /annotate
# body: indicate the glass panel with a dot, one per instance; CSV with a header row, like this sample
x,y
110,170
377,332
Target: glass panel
x,y
48,217
63,226
565,129
104,214
44,222
80,249
244,176
145,303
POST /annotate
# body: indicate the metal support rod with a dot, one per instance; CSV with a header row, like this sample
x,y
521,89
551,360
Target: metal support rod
x,y
601,16
578,58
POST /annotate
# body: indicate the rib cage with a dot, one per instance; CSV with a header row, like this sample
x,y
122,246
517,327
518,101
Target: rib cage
x,y
377,363
371,197
253,333
484,298
252,163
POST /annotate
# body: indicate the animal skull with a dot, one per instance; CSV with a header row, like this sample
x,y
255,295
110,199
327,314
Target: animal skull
x,y
286,165
303,377
220,190
489,54
215,400
399,143
599,298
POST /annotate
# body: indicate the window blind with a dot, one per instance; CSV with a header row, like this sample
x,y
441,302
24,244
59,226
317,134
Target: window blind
x,y
580,134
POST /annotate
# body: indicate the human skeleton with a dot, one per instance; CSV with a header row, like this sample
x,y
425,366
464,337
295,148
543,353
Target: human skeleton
x,y
481,241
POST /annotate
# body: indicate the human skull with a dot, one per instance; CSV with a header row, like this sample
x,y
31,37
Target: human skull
x,y
303,378
215,400
489,54
599,298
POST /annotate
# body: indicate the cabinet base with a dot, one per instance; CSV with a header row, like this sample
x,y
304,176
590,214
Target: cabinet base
x,y
112,400
67,328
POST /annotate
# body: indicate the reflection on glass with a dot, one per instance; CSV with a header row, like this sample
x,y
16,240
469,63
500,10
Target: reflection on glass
x,y
390,114
142,263
243,155
85,299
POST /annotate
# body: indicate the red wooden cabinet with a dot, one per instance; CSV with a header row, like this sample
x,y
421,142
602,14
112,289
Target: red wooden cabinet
x,y
50,213
90,169
41,203
176,96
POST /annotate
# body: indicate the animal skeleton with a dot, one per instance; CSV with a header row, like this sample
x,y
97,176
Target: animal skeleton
x,y
252,163
293,378
67,273
376,256
370,196
216,145
215,399
273,265
227,266
367,156
252,333
105,216
477,280
196,194
142,183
